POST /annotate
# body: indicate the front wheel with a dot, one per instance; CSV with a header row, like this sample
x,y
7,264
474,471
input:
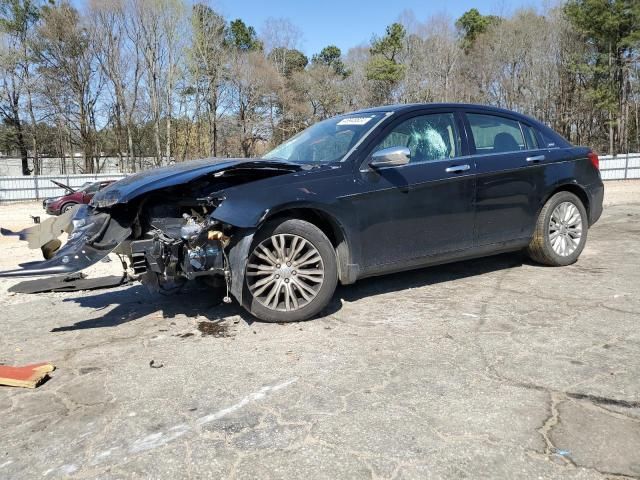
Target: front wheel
x,y
561,231
291,272
67,206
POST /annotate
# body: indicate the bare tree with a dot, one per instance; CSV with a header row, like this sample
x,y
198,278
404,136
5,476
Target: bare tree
x,y
17,23
251,80
208,66
69,66
280,35
121,61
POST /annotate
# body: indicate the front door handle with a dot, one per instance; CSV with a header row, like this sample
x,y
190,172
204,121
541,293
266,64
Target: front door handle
x,y
537,158
457,168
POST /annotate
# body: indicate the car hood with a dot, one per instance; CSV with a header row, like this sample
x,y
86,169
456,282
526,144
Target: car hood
x,y
66,188
138,184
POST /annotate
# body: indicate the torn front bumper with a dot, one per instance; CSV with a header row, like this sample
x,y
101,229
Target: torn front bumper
x,y
92,237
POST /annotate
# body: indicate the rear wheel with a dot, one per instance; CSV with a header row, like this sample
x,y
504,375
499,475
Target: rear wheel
x,y
291,272
561,231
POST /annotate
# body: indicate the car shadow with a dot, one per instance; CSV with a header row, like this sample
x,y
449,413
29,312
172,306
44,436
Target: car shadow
x,y
135,302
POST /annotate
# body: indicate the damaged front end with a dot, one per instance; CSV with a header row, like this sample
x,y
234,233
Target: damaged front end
x,y
162,222
176,246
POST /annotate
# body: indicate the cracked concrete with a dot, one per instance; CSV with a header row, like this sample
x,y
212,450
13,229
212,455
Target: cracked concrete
x,y
494,368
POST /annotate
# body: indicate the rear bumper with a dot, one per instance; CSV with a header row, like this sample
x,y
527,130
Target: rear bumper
x,y
595,192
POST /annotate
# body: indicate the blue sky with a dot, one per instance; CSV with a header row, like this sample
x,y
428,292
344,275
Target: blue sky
x,y
348,23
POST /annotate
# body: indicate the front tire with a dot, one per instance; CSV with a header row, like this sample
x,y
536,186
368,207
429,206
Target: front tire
x,y
561,231
67,206
291,273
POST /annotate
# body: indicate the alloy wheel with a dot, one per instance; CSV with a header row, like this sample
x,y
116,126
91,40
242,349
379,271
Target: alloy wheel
x,y
565,229
285,272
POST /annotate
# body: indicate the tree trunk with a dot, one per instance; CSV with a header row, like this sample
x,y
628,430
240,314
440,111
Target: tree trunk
x,y
24,154
22,146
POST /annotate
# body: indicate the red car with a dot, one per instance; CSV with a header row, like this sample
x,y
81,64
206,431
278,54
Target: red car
x,y
73,197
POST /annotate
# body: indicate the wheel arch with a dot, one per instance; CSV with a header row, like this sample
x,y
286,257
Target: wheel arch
x,y
328,224
574,188
67,203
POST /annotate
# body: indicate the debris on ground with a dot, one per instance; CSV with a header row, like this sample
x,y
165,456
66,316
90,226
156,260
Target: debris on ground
x,y
218,330
28,376
153,364
70,283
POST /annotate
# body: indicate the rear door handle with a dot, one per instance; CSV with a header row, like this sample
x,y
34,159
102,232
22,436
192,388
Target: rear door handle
x,y
537,158
457,168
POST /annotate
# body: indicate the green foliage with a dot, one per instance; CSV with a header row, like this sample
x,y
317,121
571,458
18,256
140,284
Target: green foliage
x,y
611,29
243,37
472,24
330,56
384,70
606,23
391,45
17,15
292,60
384,66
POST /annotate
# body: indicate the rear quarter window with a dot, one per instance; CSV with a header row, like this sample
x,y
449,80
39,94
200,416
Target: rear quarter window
x,y
530,136
548,141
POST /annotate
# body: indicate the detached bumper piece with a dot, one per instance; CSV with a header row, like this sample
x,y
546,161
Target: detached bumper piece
x,y
74,282
93,237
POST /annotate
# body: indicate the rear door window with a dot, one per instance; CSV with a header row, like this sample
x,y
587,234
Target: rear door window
x,y
494,134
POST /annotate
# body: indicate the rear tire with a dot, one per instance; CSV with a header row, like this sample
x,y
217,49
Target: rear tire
x,y
291,272
561,231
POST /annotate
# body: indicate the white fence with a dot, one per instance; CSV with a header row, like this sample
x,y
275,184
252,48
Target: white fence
x,y
22,188
620,167
14,189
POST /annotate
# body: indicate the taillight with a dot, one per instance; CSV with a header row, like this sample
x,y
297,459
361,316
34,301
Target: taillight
x,y
595,161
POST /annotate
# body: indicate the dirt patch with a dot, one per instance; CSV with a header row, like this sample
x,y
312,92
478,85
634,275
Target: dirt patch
x,y
213,329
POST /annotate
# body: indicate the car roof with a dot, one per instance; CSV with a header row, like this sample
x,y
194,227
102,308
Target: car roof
x,y
408,107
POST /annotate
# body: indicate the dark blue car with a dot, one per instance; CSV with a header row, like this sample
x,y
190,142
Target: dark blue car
x,y
362,194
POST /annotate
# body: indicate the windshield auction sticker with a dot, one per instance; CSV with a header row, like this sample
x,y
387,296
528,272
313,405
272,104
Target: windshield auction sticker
x,y
354,121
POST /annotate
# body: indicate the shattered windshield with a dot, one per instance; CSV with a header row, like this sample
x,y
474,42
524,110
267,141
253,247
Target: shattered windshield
x,y
327,141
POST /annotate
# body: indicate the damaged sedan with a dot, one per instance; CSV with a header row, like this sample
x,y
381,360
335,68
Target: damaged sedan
x,y
362,194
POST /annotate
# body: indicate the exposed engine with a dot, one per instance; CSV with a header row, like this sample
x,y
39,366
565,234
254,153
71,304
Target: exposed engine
x,y
174,248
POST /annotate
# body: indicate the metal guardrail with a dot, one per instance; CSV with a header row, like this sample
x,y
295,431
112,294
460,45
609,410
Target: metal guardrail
x,y
620,167
24,188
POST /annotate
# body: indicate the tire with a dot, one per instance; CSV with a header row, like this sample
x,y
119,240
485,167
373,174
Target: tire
x,y
273,300
67,206
555,241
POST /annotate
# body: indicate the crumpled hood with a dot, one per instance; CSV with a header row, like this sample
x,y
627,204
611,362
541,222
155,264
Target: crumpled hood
x,y
138,184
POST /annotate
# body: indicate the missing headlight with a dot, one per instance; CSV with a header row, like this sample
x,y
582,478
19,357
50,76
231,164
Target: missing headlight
x,y
106,198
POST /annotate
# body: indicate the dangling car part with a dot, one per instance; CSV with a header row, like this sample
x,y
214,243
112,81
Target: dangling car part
x,y
358,195
92,237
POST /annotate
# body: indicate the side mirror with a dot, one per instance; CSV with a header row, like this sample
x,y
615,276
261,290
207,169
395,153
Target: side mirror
x,y
390,157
